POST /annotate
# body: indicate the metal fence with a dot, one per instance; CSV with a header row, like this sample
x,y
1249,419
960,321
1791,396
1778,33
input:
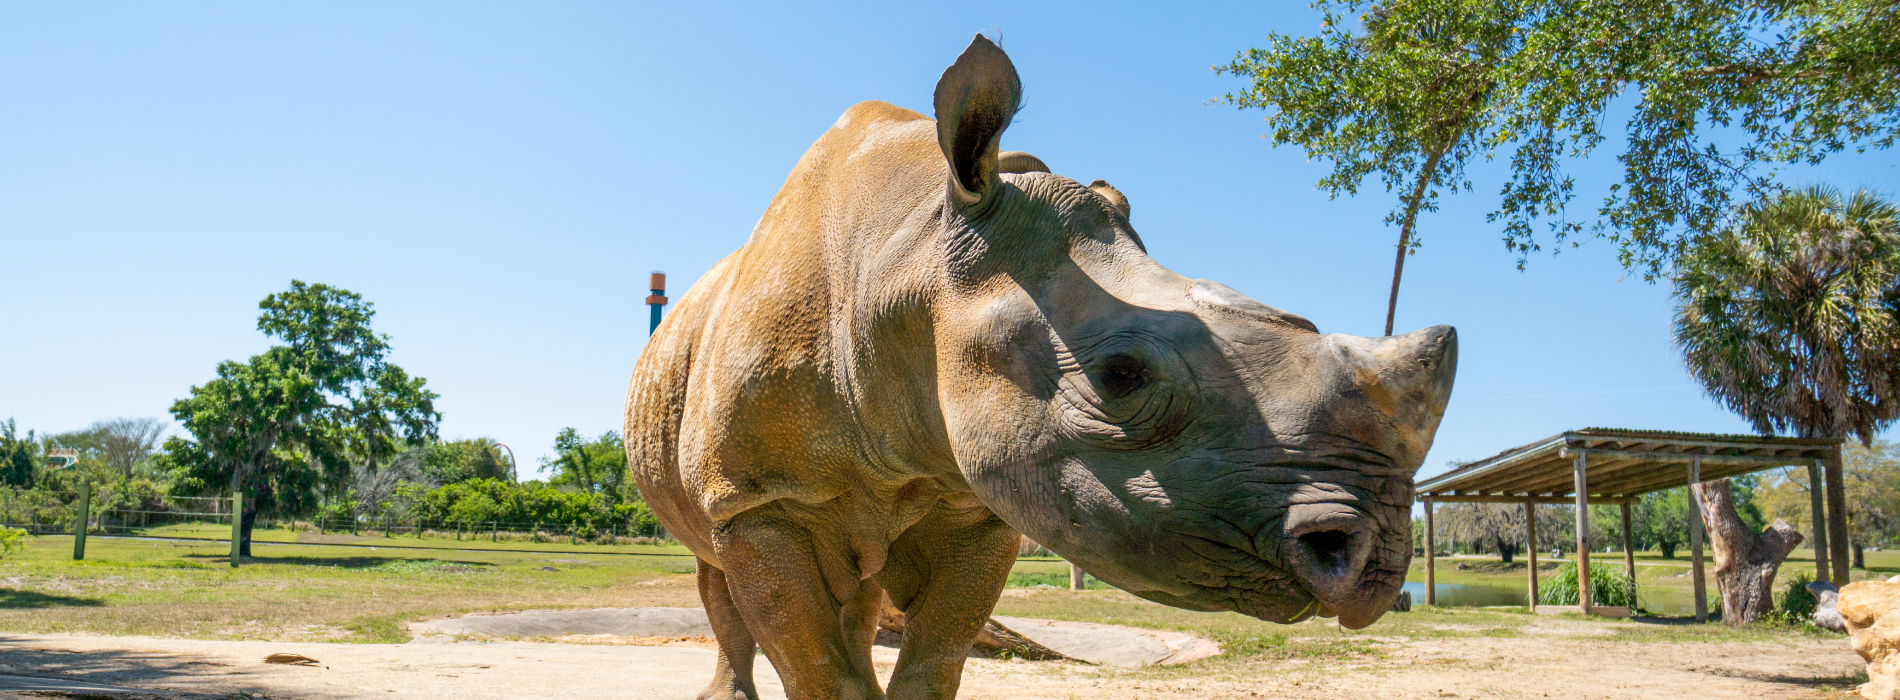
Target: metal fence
x,y
57,513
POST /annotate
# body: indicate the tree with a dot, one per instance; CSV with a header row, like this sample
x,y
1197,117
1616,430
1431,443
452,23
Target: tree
x,y
294,420
593,466
1724,91
1872,482
1661,519
1791,318
120,444
1499,525
1745,560
461,460
18,456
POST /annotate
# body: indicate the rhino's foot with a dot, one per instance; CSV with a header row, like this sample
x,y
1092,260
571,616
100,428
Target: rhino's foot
x,y
721,691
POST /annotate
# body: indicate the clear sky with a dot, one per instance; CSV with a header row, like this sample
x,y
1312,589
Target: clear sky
x,y
499,178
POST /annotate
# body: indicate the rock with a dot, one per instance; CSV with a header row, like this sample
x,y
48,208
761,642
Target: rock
x,y
1403,603
1873,626
1024,638
623,622
1826,598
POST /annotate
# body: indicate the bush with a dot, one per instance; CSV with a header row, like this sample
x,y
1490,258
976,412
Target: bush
x,y
1609,586
12,539
482,500
1798,603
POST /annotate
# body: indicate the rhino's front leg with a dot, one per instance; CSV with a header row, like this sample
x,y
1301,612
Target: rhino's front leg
x,y
798,592
945,573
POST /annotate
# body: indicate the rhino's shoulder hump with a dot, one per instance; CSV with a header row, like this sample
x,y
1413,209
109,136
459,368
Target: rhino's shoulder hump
x,y
869,112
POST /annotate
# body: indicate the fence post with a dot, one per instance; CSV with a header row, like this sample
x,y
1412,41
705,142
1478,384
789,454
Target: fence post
x,y
494,531
85,518
237,525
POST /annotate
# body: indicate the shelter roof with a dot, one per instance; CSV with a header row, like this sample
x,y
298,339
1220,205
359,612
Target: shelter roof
x,y
1619,464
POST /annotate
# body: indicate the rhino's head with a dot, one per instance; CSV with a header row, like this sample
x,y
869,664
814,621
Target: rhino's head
x,y
1171,436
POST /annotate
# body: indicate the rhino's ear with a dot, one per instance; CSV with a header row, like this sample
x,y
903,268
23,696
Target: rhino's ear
x,y
1114,196
1019,162
975,100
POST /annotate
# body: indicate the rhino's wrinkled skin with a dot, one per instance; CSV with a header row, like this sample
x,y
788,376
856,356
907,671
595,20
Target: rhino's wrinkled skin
x,y
917,351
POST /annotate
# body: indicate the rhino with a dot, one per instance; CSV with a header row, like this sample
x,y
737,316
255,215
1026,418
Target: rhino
x,y
929,345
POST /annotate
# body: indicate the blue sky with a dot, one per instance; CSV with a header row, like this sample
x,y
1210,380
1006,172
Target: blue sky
x,y
500,178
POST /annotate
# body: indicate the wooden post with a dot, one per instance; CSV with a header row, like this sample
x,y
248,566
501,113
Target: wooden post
x,y
1837,519
1582,484
84,516
1819,528
1076,583
1629,553
1530,545
1695,541
237,525
1431,558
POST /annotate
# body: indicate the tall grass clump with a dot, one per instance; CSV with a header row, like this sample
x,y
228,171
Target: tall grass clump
x,y
1798,603
1609,586
12,539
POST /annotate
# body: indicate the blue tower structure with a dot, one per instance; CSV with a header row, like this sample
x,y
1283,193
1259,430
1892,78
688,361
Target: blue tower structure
x,y
656,302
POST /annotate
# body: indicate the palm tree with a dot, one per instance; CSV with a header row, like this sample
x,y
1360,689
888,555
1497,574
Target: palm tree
x,y
1791,318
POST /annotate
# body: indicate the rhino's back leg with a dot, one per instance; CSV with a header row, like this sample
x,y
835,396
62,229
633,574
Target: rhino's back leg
x,y
732,679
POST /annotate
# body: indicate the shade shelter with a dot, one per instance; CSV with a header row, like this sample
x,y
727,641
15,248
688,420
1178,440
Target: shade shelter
x,y
1605,466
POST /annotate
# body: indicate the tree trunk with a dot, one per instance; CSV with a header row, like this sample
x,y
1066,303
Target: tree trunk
x,y
1412,205
993,638
1860,555
1506,549
250,521
1668,549
1745,561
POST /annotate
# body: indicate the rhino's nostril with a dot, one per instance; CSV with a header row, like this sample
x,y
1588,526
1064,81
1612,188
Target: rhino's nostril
x,y
1331,550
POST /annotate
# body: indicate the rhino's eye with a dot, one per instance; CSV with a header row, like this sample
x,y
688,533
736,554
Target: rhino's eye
x,y
1122,375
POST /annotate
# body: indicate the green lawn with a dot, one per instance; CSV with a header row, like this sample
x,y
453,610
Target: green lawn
x,y
363,593
308,592
1663,585
434,540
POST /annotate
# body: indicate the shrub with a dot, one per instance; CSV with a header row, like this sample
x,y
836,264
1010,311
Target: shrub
x,y
1609,586
1798,603
12,539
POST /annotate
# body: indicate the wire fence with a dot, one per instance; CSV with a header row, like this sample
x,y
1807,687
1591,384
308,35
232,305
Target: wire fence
x,y
42,512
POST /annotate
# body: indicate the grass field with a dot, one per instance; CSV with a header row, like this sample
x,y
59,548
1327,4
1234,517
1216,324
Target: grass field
x,y
363,593
308,592
212,531
1664,585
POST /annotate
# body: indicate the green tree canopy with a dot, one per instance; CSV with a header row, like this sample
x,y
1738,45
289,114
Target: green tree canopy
x,y
19,457
593,466
456,461
290,421
1722,91
1791,317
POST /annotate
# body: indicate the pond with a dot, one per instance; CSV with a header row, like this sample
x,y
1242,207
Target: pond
x,y
1655,599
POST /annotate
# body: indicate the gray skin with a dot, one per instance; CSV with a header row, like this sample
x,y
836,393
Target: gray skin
x,y
918,355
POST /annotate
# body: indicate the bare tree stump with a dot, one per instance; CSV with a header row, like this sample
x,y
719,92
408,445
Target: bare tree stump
x,y
1745,561
993,638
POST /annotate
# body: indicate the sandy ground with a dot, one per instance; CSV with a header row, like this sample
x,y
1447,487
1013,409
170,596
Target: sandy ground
x,y
1555,659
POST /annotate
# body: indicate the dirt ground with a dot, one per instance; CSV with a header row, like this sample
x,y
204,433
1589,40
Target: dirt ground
x,y
1555,659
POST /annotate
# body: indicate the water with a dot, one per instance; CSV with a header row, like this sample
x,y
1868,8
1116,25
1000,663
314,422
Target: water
x,y
1452,595
1655,599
